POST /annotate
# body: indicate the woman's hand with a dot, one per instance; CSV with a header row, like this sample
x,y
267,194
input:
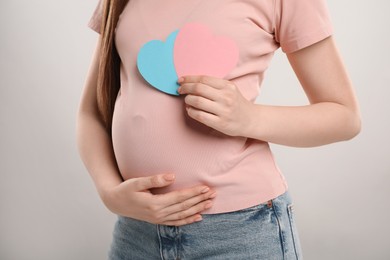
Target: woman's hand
x,y
332,116
216,102
132,198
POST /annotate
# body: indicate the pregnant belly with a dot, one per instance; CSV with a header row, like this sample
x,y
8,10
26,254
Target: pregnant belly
x,y
151,141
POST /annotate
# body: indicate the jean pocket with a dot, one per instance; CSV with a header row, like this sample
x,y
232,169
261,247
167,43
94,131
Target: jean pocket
x,y
294,232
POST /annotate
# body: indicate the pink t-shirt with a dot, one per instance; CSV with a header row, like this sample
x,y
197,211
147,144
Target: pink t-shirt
x,y
151,132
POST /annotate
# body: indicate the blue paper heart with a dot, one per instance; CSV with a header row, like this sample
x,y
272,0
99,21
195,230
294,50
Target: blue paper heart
x,y
155,63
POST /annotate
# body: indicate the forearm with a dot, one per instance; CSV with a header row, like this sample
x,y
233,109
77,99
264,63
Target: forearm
x,y
96,152
302,126
93,141
334,112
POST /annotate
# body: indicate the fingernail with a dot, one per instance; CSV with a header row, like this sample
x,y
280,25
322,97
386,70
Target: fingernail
x,y
169,177
179,90
212,196
198,218
208,205
180,80
205,190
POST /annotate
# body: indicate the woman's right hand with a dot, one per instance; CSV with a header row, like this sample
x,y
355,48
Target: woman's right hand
x,y
132,198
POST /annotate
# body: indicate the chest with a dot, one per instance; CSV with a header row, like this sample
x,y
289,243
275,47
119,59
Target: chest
x,y
248,23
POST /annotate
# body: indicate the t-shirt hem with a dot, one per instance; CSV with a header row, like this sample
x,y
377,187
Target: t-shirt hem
x,y
246,203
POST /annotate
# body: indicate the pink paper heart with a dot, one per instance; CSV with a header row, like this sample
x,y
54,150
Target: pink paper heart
x,y
198,52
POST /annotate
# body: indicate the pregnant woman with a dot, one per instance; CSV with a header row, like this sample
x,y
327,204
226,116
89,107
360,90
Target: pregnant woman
x,y
170,133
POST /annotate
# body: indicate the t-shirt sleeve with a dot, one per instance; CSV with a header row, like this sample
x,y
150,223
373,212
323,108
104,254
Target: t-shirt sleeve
x,y
301,23
96,19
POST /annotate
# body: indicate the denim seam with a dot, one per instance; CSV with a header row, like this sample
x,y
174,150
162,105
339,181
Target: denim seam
x,y
160,242
179,245
280,230
290,218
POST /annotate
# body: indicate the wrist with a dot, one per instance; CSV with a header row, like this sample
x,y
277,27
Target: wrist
x,y
109,197
106,189
250,126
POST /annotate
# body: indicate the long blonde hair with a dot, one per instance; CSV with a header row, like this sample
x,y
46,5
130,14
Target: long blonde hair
x,y
108,82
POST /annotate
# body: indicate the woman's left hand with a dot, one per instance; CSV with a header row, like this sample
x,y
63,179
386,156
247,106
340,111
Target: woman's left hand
x,y
217,103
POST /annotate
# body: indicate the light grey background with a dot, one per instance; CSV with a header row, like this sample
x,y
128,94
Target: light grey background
x,y
49,208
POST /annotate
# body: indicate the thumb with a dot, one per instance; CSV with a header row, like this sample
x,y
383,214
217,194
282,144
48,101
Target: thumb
x,y
155,181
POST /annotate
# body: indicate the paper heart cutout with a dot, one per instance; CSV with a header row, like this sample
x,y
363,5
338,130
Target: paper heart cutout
x,y
155,63
198,52
192,50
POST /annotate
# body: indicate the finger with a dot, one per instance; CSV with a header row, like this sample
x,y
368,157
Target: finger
x,y
192,203
190,212
182,222
202,103
217,83
156,181
203,117
196,209
199,89
174,197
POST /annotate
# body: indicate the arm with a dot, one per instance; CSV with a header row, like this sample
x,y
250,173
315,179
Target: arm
x,y
332,115
93,142
131,197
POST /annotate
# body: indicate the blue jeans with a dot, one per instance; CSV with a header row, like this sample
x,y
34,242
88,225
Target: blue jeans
x,y
265,231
